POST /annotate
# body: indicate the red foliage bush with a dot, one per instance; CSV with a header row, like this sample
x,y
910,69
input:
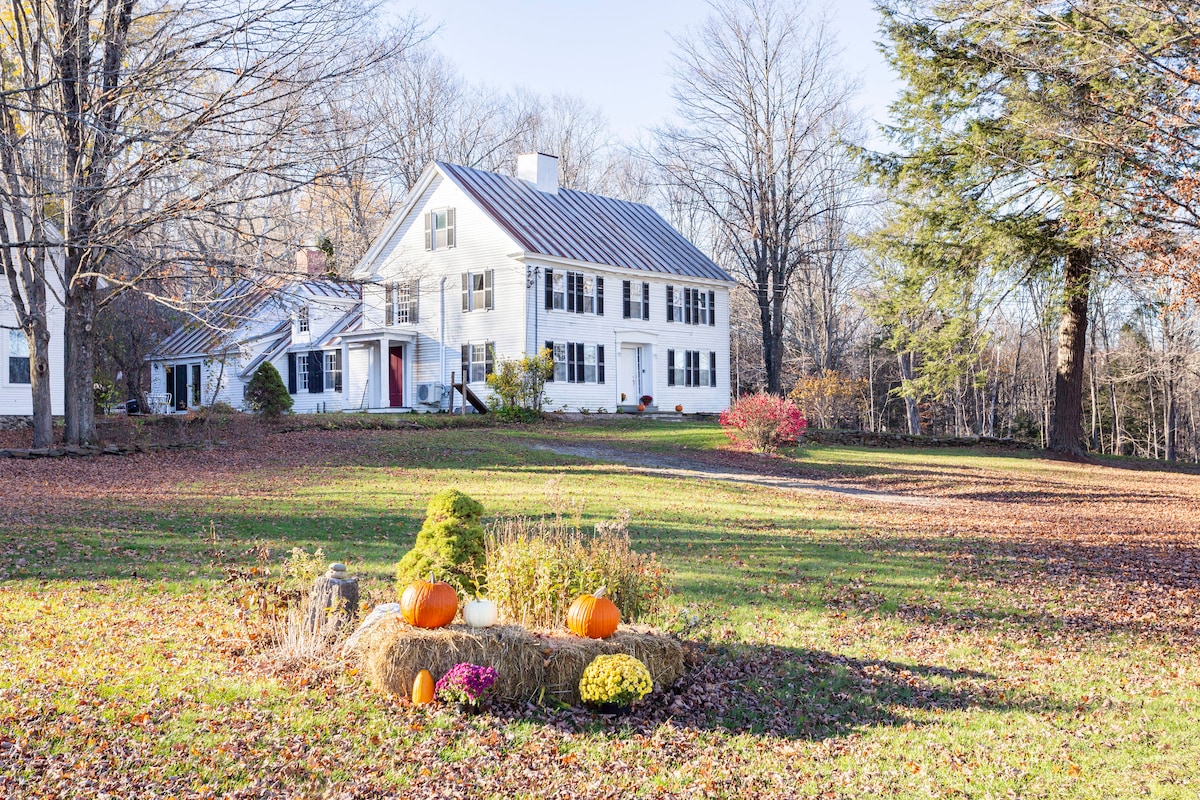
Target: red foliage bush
x,y
763,422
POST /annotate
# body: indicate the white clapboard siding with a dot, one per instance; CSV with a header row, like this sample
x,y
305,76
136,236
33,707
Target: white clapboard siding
x,y
16,399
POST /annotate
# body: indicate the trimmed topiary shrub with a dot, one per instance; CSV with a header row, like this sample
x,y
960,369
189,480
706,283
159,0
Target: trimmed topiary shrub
x,y
451,544
266,393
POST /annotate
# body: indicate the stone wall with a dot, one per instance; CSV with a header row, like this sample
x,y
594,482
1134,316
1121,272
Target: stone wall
x,y
869,439
15,422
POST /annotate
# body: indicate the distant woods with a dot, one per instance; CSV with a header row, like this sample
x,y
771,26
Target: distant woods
x,y
1014,256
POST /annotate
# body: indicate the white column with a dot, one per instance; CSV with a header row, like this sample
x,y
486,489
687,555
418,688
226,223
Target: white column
x,y
345,374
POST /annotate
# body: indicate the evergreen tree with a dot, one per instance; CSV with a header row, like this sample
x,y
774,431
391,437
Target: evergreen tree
x,y
450,544
266,393
1030,112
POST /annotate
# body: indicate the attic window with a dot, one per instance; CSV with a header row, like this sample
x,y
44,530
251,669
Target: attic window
x,y
439,229
302,319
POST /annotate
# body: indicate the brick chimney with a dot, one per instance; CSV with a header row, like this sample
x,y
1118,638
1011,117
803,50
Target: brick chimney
x,y
539,169
310,261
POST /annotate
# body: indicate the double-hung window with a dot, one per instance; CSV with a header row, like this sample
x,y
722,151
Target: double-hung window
x,y
477,361
699,307
18,357
400,303
576,362
302,319
674,304
691,368
333,370
635,299
574,292
302,373
439,229
477,290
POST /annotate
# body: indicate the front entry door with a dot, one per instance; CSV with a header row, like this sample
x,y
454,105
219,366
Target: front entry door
x,y
181,387
631,373
396,375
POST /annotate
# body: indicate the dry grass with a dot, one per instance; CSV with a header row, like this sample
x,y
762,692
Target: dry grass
x,y
531,665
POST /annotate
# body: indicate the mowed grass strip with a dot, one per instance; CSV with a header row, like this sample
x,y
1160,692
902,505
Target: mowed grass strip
x,y
911,652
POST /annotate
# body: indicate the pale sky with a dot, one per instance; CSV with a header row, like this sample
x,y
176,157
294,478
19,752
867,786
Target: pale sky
x,y
615,54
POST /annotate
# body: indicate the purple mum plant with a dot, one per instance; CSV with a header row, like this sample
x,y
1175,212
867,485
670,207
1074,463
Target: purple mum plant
x,y
465,683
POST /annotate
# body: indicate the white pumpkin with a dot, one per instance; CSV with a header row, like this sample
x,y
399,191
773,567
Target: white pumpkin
x,y
480,613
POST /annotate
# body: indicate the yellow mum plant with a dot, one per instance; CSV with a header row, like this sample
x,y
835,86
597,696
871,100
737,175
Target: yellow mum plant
x,y
618,679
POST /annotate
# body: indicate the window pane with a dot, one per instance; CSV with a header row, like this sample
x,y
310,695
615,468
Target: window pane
x,y
560,362
18,345
589,363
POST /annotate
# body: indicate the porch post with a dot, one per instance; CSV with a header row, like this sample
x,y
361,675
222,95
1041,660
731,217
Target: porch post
x,y
345,375
385,387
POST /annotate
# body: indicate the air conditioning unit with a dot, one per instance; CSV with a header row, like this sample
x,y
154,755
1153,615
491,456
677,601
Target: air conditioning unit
x,y
430,394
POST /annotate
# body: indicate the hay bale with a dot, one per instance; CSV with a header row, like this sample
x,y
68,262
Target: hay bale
x,y
530,665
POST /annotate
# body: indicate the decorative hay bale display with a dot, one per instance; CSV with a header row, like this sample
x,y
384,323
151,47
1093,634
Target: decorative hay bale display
x,y
530,665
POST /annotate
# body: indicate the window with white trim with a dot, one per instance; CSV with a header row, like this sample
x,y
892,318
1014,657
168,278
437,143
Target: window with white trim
x,y
691,368
635,300
699,307
674,303
302,319
478,361
400,303
301,372
478,290
576,362
440,229
333,370
18,357
576,292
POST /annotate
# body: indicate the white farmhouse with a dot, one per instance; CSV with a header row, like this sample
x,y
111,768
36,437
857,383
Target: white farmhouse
x,y
477,266
292,321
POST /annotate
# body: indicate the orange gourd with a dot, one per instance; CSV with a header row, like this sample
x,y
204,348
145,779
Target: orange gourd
x,y
593,616
429,604
679,408
422,692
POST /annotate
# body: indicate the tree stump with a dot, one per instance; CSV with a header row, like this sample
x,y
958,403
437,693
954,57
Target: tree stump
x,y
332,601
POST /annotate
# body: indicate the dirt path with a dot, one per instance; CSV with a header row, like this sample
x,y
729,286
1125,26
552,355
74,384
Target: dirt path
x,y
683,468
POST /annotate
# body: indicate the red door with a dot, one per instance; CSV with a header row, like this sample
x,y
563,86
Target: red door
x,y
396,375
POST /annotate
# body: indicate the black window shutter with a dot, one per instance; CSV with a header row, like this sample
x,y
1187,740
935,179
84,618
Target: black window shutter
x,y
687,306
389,298
645,301
549,289
580,370
670,303
489,359
570,363
578,293
625,298
466,363
489,292
712,368
600,296
712,310
570,291
316,372
599,363
291,378
466,291
550,347
670,368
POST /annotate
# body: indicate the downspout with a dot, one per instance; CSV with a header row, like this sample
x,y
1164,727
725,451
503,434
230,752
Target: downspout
x,y
442,336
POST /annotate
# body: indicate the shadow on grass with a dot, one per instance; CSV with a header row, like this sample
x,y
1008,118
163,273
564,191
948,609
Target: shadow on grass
x,y
793,693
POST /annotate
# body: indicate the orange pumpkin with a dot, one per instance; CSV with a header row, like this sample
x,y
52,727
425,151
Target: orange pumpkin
x,y
593,616
641,406
429,604
422,692
679,408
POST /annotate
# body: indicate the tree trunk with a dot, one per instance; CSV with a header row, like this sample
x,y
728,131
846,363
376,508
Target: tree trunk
x,y
79,372
1066,425
39,379
910,402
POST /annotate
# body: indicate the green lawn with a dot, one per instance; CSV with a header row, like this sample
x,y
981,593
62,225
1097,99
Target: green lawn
x,y
969,650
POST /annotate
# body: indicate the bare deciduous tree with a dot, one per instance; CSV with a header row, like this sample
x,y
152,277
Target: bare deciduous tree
x,y
760,98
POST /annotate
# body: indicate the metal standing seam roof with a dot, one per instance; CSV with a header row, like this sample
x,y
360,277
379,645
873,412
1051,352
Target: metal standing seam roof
x,y
584,227
241,302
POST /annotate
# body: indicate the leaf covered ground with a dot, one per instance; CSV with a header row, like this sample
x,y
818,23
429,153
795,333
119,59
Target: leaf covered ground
x,y
1031,631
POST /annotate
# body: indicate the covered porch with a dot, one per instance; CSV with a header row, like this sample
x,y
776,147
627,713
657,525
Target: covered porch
x,y
380,370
